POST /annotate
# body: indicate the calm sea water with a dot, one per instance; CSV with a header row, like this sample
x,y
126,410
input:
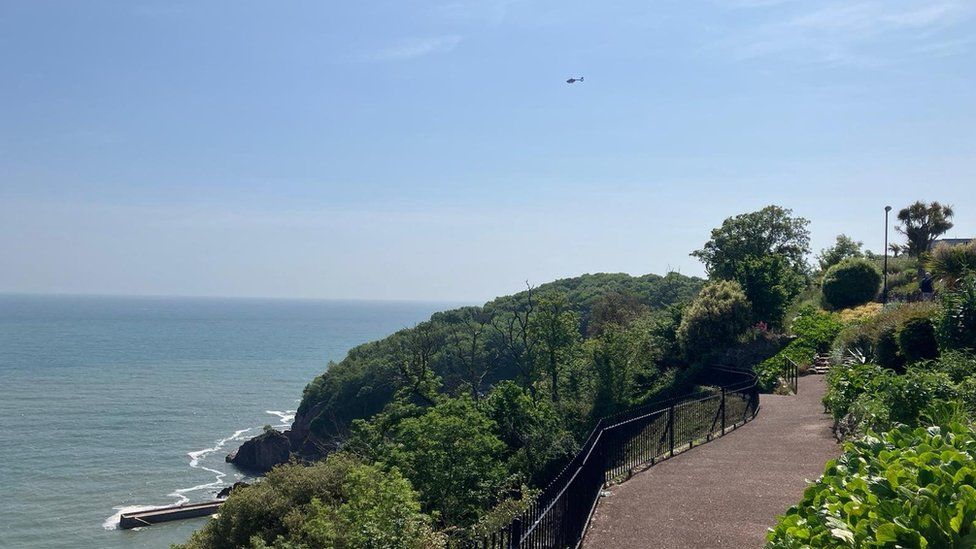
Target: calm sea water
x,y
111,403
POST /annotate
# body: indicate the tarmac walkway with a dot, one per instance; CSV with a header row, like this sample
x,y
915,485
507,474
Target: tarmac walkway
x,y
728,492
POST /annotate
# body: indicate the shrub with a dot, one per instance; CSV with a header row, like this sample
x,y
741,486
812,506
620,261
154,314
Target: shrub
x,y
906,397
951,264
886,350
868,397
817,328
846,383
906,488
916,340
851,282
956,323
862,339
715,319
861,313
958,365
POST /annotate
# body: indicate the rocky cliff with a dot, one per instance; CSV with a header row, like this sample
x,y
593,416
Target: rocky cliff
x,y
262,452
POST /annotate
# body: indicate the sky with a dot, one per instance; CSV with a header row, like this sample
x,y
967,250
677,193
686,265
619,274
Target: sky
x,y
432,150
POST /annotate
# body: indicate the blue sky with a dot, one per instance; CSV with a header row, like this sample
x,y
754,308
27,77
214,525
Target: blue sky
x,y
431,150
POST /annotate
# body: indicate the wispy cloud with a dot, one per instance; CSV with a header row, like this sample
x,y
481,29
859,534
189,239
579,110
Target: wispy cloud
x,y
851,32
414,48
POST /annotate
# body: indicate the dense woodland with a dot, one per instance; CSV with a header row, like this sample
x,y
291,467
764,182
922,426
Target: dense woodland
x,y
446,430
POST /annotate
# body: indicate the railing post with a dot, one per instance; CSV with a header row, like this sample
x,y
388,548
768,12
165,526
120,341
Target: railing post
x,y
723,410
671,429
515,541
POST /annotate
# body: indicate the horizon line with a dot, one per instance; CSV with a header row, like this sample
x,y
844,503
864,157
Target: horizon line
x,y
4,293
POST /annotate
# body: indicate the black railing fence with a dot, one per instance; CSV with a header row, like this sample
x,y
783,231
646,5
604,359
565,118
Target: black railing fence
x,y
620,445
791,374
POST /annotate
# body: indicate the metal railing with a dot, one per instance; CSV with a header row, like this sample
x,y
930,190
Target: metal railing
x,y
616,448
791,374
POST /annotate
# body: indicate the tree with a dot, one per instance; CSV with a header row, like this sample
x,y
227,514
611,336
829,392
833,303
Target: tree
x,y
921,224
611,359
452,456
715,320
530,429
771,230
765,252
472,359
845,247
380,510
556,329
512,332
770,284
337,502
618,308
414,354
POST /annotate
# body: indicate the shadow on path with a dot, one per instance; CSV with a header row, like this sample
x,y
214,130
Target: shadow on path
x,y
728,492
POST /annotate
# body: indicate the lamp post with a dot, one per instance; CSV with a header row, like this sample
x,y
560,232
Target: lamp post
x,y
884,293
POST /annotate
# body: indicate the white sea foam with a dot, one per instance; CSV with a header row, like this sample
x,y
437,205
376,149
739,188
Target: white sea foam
x,y
286,417
197,455
112,522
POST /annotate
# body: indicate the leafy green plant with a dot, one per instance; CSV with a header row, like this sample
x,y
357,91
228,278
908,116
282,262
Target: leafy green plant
x,y
907,396
956,323
850,283
905,488
958,365
846,383
951,264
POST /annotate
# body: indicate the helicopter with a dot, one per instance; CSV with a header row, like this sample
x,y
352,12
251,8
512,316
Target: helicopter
x,y
574,80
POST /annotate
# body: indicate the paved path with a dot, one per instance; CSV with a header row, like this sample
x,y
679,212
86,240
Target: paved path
x,y
728,492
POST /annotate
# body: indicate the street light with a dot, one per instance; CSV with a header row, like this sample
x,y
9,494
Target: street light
x,y
884,293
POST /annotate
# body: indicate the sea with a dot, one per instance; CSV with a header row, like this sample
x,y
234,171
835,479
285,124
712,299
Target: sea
x,y
110,404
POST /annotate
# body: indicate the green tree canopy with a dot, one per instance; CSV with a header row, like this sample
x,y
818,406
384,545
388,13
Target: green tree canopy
x,y
770,283
845,247
531,430
453,456
765,252
556,329
771,230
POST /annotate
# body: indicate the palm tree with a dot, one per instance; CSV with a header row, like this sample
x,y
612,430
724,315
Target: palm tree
x,y
921,224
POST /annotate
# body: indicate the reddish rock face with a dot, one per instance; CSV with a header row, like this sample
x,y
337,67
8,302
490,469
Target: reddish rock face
x,y
262,452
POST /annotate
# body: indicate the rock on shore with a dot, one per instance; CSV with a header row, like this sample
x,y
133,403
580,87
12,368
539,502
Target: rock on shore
x,y
228,489
262,452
